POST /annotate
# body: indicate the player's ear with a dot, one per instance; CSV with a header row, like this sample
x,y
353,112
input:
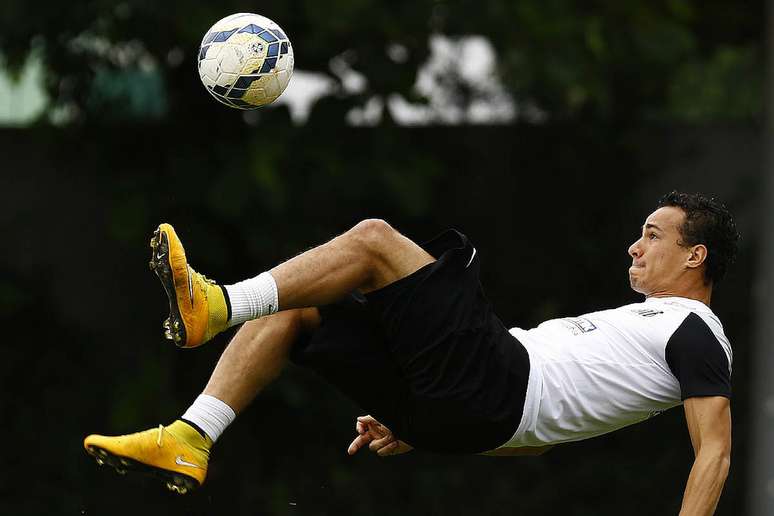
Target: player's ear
x,y
697,256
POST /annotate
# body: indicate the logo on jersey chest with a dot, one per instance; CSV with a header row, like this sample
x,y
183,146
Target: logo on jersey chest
x,y
579,325
647,312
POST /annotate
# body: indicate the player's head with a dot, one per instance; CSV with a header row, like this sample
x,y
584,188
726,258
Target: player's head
x,y
688,242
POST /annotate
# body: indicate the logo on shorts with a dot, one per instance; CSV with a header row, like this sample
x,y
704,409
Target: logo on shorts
x,y
471,258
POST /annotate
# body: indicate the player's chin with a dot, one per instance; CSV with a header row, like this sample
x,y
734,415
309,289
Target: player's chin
x,y
635,283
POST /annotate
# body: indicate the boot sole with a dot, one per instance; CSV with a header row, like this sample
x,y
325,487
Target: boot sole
x,y
175,482
174,327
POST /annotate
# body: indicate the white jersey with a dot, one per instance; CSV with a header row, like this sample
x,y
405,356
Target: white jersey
x,y
599,372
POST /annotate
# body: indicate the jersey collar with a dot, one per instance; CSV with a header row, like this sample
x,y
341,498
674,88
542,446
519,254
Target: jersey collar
x,y
691,304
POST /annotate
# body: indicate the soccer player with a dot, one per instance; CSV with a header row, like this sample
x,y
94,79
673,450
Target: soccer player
x,y
372,308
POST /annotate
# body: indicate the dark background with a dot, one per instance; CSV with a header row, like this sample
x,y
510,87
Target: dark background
x,y
639,98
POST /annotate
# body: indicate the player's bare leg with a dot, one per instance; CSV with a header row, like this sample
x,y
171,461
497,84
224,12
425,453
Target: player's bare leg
x,y
256,356
178,454
367,257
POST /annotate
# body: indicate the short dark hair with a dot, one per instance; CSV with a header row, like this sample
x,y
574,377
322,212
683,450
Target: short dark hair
x,y
707,222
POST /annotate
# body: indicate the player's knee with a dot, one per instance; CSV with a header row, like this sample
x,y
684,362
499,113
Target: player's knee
x,y
296,321
309,319
373,235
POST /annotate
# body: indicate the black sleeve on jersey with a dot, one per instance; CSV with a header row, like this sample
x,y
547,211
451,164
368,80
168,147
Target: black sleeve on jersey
x,y
697,359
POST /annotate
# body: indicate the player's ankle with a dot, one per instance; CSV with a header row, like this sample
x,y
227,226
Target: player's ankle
x,y
251,298
195,427
209,416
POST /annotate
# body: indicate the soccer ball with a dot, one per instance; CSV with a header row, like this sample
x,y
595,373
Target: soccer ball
x,y
245,61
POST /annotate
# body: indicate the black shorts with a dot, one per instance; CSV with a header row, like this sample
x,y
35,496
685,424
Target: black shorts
x,y
426,355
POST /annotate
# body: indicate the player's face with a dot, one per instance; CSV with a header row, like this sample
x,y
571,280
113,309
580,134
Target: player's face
x,y
658,259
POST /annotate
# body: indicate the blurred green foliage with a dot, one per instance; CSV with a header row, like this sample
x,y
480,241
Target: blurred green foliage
x,y
627,60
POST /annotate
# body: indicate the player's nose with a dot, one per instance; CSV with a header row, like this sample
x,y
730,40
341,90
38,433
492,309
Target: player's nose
x,y
634,249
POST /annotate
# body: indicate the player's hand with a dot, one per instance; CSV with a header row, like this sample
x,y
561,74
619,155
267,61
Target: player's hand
x,y
378,437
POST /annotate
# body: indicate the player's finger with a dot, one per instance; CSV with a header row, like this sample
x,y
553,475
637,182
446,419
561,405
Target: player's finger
x,y
360,428
357,443
402,447
376,432
373,425
388,450
377,444
368,420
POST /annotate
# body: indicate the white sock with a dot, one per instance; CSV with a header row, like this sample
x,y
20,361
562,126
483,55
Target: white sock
x,y
210,414
252,298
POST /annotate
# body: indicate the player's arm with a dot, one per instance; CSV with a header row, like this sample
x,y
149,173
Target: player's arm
x,y
709,425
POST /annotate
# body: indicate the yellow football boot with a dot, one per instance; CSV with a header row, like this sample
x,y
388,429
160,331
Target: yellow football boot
x,y
198,309
177,454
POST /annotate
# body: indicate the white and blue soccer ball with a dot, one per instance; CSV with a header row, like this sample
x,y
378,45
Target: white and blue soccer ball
x,y
245,61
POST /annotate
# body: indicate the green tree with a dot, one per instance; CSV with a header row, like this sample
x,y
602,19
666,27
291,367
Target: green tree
x,y
627,60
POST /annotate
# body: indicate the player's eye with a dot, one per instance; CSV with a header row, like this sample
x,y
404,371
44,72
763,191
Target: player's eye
x,y
652,236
